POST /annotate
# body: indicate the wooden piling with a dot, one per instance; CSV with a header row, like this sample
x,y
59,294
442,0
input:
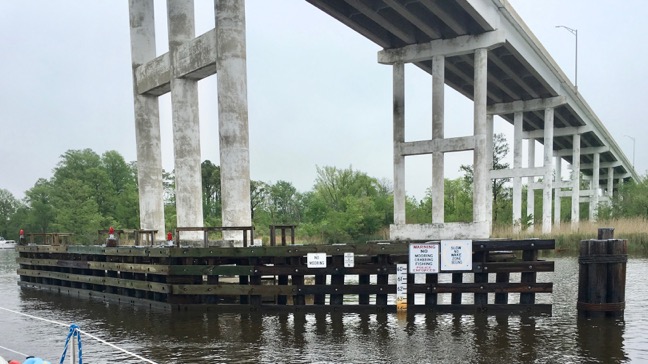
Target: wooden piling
x,y
601,281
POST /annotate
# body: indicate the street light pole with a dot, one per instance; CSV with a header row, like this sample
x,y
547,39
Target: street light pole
x,y
633,149
575,33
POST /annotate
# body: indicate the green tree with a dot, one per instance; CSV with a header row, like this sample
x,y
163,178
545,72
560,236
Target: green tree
x,y
345,205
499,191
211,189
41,213
284,203
8,207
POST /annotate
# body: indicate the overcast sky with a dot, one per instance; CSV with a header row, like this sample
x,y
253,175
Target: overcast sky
x,y
317,96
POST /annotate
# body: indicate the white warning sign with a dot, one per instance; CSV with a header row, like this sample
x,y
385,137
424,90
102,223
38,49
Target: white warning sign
x,y
316,260
349,260
456,255
424,258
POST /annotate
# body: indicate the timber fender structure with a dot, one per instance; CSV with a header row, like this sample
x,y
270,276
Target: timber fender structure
x,y
503,278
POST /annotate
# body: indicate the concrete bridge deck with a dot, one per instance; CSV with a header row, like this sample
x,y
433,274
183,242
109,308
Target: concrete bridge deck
x,y
481,48
521,73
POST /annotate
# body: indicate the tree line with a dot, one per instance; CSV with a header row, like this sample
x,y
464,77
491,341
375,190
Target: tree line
x,y
88,192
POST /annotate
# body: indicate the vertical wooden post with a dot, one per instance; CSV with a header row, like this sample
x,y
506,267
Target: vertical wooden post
x,y
337,261
481,298
528,256
601,281
382,280
363,298
431,280
456,297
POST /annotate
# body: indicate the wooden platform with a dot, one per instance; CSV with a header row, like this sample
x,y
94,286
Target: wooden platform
x,y
276,278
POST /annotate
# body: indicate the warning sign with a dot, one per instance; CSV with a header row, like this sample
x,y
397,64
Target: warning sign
x,y
316,260
349,260
424,258
456,255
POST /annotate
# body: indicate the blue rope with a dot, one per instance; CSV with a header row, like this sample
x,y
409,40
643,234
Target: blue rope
x,y
74,332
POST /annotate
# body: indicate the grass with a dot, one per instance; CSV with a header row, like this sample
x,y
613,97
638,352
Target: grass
x,y
635,230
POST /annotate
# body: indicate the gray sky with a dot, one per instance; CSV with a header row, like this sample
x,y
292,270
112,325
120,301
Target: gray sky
x,y
316,94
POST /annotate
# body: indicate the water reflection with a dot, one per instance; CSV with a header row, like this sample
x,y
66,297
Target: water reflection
x,y
601,339
195,337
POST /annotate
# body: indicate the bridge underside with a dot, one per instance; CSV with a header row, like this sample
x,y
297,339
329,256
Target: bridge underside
x,y
518,81
481,48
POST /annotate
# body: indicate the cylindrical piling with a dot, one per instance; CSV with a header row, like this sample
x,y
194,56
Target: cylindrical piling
x,y
601,282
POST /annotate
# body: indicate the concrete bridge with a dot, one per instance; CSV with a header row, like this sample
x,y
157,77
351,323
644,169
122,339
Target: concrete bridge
x,y
481,48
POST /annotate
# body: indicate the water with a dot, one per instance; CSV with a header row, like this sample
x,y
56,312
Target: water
x,y
194,337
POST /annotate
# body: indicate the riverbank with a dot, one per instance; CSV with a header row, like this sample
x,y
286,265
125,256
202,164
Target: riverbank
x,y
635,230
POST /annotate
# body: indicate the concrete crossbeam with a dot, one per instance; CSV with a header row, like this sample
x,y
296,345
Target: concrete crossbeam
x,y
601,165
517,172
526,106
556,185
455,230
583,151
153,77
570,130
458,144
465,44
194,59
581,193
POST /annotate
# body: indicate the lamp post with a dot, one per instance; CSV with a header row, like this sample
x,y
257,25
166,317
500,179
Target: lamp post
x,y
633,149
575,33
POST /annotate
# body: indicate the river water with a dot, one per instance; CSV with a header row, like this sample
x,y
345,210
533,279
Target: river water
x,y
199,337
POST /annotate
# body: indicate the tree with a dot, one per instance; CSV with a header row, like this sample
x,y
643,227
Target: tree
x,y
500,151
8,207
41,212
284,203
345,205
211,186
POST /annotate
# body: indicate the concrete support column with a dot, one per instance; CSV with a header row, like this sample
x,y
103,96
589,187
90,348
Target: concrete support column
x,y
147,121
517,164
594,187
186,124
438,83
530,181
610,183
233,115
575,209
489,157
548,175
480,163
399,137
557,192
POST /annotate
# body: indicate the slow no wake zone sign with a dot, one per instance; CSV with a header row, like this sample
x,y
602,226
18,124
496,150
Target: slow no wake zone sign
x,y
424,258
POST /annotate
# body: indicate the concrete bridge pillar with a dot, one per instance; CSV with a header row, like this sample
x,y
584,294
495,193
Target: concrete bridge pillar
x,y
480,165
480,143
575,208
233,115
547,179
147,121
438,190
610,183
557,191
399,138
594,187
530,182
186,124
517,164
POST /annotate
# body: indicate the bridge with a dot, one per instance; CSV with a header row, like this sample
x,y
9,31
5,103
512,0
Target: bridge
x,y
481,48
